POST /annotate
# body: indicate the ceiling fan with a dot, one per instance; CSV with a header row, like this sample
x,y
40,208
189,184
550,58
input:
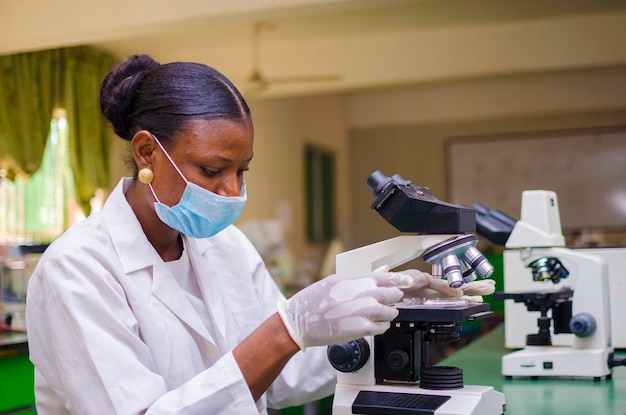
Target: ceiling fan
x,y
257,81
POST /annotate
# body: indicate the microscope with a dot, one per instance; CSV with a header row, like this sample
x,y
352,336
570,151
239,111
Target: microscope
x,y
390,373
576,302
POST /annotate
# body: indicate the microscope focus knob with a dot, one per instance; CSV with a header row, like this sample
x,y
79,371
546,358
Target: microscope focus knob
x,y
583,325
398,360
350,356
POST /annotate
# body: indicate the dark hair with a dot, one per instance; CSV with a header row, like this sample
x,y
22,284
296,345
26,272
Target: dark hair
x,y
143,94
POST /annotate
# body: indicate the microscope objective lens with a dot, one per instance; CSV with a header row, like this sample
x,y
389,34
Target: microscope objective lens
x,y
437,271
452,270
478,262
468,272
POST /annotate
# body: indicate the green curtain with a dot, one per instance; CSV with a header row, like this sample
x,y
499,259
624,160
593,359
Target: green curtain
x,y
89,134
28,91
31,84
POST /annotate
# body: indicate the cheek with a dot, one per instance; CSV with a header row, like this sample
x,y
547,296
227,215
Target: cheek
x,y
168,188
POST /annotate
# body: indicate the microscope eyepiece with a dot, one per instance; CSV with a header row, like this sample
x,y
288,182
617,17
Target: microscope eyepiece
x,y
377,181
411,208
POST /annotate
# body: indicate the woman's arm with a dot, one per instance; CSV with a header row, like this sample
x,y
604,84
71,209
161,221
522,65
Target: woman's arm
x,y
262,355
335,309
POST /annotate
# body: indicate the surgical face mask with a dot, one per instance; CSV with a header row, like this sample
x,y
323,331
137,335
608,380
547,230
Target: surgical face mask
x,y
199,213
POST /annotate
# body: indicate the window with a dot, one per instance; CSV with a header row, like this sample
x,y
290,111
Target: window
x,y
38,209
319,165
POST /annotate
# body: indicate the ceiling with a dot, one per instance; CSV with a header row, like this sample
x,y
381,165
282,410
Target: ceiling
x,y
368,44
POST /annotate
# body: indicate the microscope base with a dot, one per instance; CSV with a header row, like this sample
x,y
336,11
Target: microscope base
x,y
557,362
411,399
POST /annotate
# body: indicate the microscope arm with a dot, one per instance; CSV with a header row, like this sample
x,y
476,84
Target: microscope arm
x,y
391,252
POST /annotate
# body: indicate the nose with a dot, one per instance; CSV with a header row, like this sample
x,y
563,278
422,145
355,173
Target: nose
x,y
230,186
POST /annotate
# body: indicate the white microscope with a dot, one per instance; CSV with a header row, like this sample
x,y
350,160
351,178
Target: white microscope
x,y
536,240
390,373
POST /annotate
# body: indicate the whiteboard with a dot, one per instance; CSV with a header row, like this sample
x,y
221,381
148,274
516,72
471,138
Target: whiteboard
x,y
587,172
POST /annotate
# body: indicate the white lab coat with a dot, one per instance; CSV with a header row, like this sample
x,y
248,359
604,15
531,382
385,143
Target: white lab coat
x,y
111,332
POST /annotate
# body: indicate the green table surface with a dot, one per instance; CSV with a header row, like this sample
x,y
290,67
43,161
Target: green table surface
x,y
17,395
481,364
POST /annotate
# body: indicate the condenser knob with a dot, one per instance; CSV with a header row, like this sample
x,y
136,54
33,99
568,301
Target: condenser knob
x,y
583,325
350,356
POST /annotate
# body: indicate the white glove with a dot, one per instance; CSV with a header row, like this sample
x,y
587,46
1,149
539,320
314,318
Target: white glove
x,y
341,308
425,286
479,287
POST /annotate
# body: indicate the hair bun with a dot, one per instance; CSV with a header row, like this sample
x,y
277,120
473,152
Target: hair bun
x,y
119,89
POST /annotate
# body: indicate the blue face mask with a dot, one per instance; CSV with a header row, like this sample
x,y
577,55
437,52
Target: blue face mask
x,y
199,213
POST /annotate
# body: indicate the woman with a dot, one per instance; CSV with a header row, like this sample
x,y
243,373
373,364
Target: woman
x,y
158,304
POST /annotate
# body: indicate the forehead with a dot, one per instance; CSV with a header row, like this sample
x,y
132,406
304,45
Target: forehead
x,y
214,137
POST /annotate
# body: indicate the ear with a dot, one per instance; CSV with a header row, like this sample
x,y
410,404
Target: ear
x,y
142,146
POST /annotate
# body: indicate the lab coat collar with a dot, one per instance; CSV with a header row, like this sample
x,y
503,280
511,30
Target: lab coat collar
x,y
131,244
208,280
135,252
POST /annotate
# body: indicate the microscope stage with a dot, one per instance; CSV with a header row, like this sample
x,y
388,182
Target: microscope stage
x,y
443,314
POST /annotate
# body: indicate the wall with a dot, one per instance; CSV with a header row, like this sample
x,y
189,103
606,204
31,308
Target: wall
x,y
276,178
406,131
584,169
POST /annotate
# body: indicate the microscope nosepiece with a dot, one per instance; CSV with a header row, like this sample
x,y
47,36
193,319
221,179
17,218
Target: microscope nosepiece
x,y
548,269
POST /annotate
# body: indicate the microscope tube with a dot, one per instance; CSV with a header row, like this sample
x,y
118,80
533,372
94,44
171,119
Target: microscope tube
x,y
437,271
452,270
478,261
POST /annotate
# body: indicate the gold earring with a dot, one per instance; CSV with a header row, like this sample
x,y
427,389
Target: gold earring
x,y
145,175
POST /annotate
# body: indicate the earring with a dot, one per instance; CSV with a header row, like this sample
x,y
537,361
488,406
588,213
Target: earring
x,y
145,175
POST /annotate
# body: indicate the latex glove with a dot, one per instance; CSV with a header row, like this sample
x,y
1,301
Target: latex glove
x,y
341,308
473,298
479,287
473,291
426,286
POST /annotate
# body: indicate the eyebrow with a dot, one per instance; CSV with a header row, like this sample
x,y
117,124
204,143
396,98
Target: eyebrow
x,y
230,160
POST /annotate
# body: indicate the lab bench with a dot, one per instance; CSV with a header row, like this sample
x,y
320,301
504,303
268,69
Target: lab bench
x,y
481,364
17,395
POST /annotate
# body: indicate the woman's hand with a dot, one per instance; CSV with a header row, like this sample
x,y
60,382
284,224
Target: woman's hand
x,y
340,308
425,286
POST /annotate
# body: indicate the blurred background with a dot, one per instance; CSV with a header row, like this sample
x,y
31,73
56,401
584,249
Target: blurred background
x,y
476,99
395,85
